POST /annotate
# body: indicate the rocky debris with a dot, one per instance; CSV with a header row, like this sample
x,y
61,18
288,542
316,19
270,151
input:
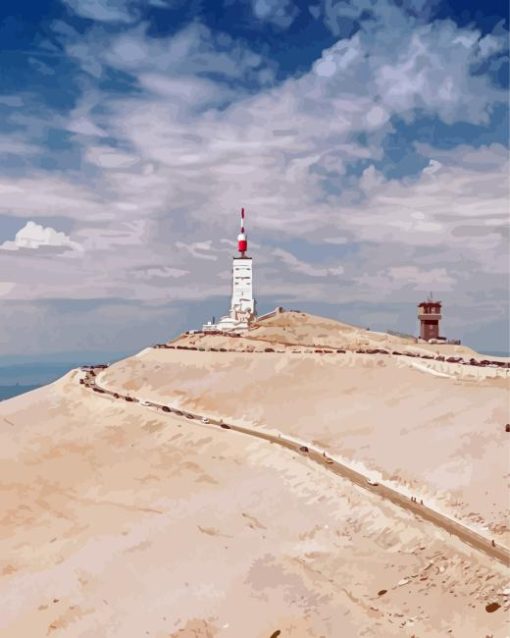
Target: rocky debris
x,y
491,607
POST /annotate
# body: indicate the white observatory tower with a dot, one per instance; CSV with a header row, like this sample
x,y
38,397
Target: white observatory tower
x,y
242,305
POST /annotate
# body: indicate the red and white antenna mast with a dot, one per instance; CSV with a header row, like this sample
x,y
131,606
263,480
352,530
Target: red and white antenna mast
x,y
242,239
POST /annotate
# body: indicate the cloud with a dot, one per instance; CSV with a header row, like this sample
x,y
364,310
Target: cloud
x,y
16,145
11,100
103,10
44,194
160,272
421,277
171,135
198,249
482,158
303,268
281,13
439,206
430,70
6,287
195,50
107,157
117,11
181,165
41,67
342,17
84,126
34,236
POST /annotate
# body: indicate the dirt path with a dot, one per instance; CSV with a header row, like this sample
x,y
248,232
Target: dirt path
x,y
453,527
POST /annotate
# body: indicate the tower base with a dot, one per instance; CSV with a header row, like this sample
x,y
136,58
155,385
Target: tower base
x,y
228,324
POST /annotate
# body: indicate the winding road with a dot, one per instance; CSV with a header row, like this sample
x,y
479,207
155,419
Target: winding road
x,y
448,524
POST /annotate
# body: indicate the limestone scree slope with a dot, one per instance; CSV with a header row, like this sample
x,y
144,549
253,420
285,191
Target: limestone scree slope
x,y
121,520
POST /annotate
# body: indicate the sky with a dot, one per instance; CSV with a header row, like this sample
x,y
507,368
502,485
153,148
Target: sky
x,y
367,140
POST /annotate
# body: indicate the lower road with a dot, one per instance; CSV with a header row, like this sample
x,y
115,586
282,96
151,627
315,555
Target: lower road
x,y
421,510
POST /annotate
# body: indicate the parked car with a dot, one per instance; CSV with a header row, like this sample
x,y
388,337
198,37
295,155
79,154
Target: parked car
x,y
304,449
372,482
146,403
225,426
165,408
205,420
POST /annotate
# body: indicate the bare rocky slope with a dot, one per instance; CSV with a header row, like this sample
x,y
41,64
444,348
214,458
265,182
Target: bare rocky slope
x,y
434,428
122,520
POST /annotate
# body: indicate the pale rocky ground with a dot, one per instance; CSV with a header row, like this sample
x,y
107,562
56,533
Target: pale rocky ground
x,y
439,438
303,328
119,521
291,330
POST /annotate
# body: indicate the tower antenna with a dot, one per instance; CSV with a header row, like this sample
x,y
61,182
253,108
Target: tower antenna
x,y
242,238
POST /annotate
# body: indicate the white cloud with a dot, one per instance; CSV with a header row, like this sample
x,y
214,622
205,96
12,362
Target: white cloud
x,y
432,167
160,272
167,166
429,69
296,265
43,195
198,249
422,279
392,281
193,50
11,100
41,67
16,145
106,157
33,236
482,158
281,13
84,126
186,168
103,10
117,11
456,205
6,287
